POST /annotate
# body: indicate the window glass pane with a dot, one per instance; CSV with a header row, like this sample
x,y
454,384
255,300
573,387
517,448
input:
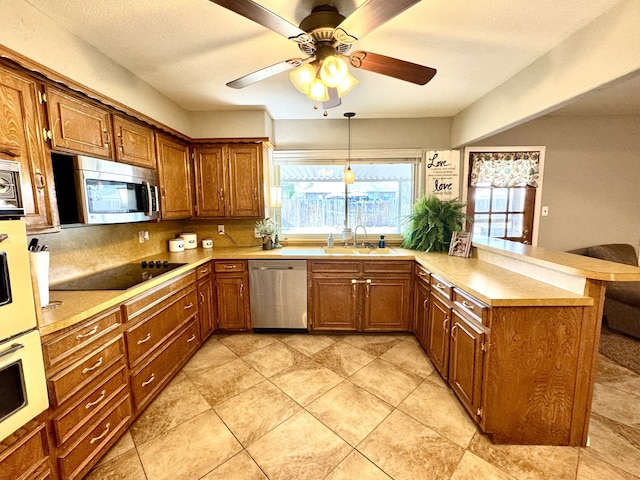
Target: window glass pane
x,y
498,225
481,225
313,197
499,200
516,199
483,199
514,227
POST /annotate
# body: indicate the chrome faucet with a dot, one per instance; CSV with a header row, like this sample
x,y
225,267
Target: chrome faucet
x,y
355,234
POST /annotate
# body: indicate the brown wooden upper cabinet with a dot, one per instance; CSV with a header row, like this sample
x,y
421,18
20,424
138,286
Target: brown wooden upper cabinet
x,y
229,180
174,174
134,143
77,125
21,140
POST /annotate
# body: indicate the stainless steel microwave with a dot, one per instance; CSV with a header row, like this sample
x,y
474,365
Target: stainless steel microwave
x,y
11,203
95,191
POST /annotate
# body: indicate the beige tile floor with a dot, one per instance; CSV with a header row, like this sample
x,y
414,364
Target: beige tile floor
x,y
294,407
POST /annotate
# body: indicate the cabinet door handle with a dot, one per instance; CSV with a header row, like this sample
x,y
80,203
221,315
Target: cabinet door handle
x,y
453,331
145,339
91,332
368,282
242,290
191,338
255,193
151,379
354,287
444,324
187,307
97,400
467,305
40,184
101,436
425,304
201,298
88,369
221,194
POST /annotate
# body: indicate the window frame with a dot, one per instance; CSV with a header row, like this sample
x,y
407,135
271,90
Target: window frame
x,y
413,156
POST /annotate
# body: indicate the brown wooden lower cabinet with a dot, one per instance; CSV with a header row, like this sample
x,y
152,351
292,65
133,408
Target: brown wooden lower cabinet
x,y
363,296
232,295
421,305
206,300
24,455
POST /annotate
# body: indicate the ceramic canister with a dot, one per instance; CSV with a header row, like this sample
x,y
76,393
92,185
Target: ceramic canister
x,y
207,243
190,240
176,245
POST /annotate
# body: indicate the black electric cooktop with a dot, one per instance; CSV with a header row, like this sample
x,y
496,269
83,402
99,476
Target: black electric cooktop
x,y
118,278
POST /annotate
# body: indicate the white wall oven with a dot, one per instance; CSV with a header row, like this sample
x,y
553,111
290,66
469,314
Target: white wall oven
x,y
23,389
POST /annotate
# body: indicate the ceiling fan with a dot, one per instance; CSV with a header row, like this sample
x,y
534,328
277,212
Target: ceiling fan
x,y
326,37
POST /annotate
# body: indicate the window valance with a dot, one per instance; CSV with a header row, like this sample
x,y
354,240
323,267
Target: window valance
x,y
505,169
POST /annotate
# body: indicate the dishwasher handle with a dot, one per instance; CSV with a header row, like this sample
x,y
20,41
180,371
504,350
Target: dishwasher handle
x,y
273,268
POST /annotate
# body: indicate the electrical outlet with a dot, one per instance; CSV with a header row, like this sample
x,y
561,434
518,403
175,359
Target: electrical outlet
x,y
256,234
143,236
220,229
545,211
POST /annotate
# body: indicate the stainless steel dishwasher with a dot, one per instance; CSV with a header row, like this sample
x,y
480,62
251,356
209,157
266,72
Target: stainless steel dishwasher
x,y
278,294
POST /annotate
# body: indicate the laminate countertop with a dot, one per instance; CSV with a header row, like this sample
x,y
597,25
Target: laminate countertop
x,y
492,284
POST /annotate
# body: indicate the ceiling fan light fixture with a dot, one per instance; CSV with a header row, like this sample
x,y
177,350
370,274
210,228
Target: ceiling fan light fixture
x,y
347,85
318,91
333,71
302,77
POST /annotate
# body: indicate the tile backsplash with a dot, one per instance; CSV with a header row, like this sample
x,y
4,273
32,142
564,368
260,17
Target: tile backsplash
x,y
79,250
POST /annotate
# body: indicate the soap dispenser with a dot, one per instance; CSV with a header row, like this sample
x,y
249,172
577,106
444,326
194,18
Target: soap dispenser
x,y
330,240
381,242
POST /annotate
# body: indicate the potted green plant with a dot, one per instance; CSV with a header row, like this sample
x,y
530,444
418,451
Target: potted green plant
x,y
266,228
432,222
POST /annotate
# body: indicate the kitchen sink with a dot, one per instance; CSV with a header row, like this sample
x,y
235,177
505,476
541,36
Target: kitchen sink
x,y
358,251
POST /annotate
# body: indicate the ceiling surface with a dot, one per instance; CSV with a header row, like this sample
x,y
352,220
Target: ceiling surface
x,y
189,50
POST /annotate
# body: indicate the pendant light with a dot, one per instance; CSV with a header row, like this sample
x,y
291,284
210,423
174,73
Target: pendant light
x,y
349,176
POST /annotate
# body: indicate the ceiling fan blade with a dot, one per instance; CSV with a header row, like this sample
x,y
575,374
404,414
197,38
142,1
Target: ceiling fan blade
x,y
267,72
266,18
334,99
371,14
392,67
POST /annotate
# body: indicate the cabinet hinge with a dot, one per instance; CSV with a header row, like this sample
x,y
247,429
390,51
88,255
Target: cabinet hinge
x,y
483,347
42,97
46,134
193,156
479,412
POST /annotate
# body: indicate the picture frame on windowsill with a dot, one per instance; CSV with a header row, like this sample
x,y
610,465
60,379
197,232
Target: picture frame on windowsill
x,y
460,245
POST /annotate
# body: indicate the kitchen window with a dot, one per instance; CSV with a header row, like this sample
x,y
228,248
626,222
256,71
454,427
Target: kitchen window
x,y
310,194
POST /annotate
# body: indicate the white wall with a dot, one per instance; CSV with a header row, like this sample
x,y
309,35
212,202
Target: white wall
x,y
333,133
28,32
591,178
606,49
242,123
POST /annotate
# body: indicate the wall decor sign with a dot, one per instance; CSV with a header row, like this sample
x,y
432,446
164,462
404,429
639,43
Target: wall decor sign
x,y
443,174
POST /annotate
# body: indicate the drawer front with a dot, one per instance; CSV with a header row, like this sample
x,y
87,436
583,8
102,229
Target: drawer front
x,y
441,286
77,342
203,270
422,275
385,266
87,406
22,460
331,266
147,381
77,376
472,307
75,461
146,335
230,266
152,301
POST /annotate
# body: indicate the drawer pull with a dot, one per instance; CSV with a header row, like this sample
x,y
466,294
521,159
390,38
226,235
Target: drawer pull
x,y
88,369
229,267
151,379
101,436
97,401
191,338
439,286
204,270
422,274
145,339
187,307
93,331
467,305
